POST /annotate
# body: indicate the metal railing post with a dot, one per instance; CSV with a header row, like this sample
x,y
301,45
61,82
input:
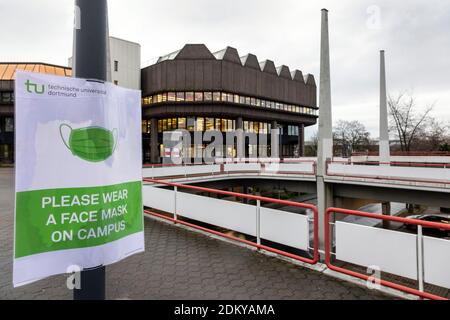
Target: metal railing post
x,y
420,257
175,216
258,222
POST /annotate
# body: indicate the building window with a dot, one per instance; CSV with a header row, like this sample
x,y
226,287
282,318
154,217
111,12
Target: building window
x,y
180,96
236,98
200,124
116,65
189,96
218,125
181,123
216,96
247,100
224,97
146,126
209,124
147,100
199,96
191,123
207,96
171,96
6,97
172,124
223,125
9,124
242,100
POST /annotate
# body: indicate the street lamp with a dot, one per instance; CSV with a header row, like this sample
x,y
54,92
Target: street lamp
x,y
90,62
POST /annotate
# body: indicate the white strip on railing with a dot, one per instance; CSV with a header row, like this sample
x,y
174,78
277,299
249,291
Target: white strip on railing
x,y
305,167
391,251
395,252
437,261
170,171
158,198
408,159
236,167
284,227
428,174
227,214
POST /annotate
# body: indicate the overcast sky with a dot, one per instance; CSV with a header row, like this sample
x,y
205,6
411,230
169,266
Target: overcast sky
x,y
414,33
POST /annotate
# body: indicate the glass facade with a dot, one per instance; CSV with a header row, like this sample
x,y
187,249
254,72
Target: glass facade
x,y
193,124
226,97
146,126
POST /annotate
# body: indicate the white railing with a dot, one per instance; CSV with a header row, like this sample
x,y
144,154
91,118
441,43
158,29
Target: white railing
x,y
290,229
399,171
306,167
409,255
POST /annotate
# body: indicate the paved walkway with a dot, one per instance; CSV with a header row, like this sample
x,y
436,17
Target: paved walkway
x,y
180,264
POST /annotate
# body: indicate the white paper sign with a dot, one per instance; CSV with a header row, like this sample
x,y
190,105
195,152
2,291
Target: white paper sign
x,y
78,175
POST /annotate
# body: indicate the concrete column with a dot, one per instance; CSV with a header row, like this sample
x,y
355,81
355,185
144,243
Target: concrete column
x,y
240,144
301,140
239,123
386,210
325,118
384,129
154,150
274,141
325,152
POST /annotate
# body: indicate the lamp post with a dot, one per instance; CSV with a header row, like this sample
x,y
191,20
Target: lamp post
x,y
90,62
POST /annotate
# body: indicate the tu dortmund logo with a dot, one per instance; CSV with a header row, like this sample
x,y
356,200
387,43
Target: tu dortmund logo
x,y
35,87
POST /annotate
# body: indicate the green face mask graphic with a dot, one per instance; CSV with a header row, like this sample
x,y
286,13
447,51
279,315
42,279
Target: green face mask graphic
x,y
93,144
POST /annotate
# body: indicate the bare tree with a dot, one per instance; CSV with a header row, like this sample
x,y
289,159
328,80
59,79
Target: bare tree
x,y
407,121
436,136
351,135
313,145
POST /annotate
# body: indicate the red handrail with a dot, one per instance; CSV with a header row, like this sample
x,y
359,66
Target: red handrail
x,y
250,197
386,283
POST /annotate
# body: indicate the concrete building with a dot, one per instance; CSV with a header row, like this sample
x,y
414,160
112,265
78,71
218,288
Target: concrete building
x,y
196,90
124,68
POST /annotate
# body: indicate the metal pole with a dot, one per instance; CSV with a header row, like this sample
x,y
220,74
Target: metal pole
x,y
175,216
384,152
258,221
420,270
90,62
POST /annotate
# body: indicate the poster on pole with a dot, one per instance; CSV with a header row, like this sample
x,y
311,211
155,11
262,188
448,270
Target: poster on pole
x,y
78,175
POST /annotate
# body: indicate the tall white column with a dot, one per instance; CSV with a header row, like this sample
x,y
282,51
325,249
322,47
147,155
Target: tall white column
x,y
384,129
325,152
325,120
